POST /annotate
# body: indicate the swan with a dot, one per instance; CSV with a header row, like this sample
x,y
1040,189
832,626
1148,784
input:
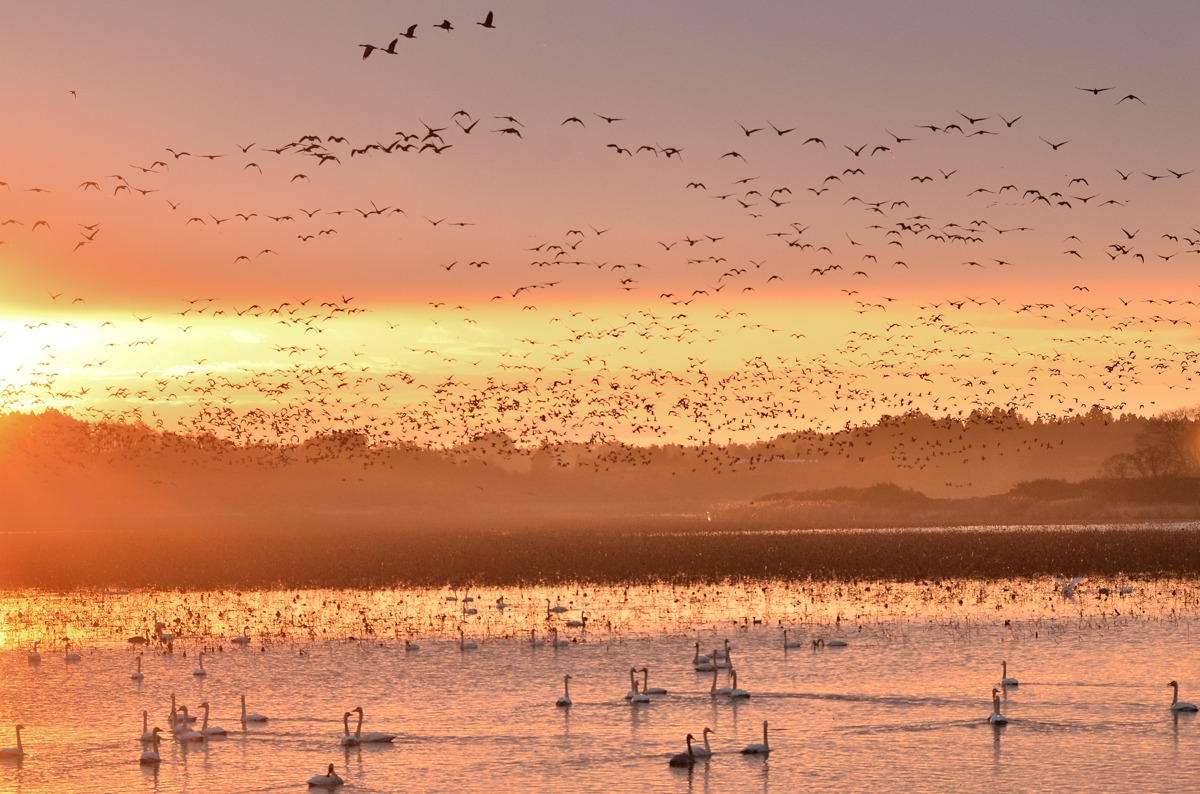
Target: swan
x,y
34,656
348,739
14,752
565,700
243,638
464,644
725,661
701,664
789,643
250,717
70,657
330,779
173,718
715,690
996,718
534,642
556,642
1176,703
656,690
735,692
374,737
411,646
188,734
1068,588
151,756
638,697
836,643
137,674
147,734
501,603
200,661
633,687
758,749
578,624
205,729
705,751
687,758
1006,679
556,609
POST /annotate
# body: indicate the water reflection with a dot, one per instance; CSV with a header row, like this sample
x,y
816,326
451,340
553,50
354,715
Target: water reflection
x,y
902,706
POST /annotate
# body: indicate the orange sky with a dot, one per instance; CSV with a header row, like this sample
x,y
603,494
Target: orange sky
x,y
399,289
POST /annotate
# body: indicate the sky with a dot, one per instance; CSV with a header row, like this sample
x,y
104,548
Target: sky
x,y
671,222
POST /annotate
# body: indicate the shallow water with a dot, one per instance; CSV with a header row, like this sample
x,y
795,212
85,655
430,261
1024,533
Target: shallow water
x,y
902,707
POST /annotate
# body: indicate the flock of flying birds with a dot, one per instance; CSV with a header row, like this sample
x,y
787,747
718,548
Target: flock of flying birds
x,y
686,342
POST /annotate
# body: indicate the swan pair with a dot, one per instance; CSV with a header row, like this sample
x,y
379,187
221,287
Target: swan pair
x,y
374,737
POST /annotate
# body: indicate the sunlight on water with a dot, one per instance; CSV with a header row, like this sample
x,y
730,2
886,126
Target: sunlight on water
x,y
902,706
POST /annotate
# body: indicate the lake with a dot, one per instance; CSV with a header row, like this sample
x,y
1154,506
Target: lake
x,y
902,706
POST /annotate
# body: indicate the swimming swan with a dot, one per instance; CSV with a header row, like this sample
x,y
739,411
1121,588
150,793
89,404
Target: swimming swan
x,y
1006,679
565,700
14,752
996,718
687,758
374,737
1176,703
758,749
250,717
649,690
330,779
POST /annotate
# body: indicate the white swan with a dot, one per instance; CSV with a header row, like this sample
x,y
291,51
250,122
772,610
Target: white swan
x,y
578,624
687,758
137,674
151,756
701,664
723,661
348,739
556,609
715,690
556,642
1068,588
705,751
204,727
638,697
758,749
650,690
200,661
789,643
1176,703
565,700
173,716
330,779
464,644
243,638
734,692
147,734
14,752
250,717
633,686
34,656
188,734
70,657
996,718
835,643
374,737
1006,679
534,642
